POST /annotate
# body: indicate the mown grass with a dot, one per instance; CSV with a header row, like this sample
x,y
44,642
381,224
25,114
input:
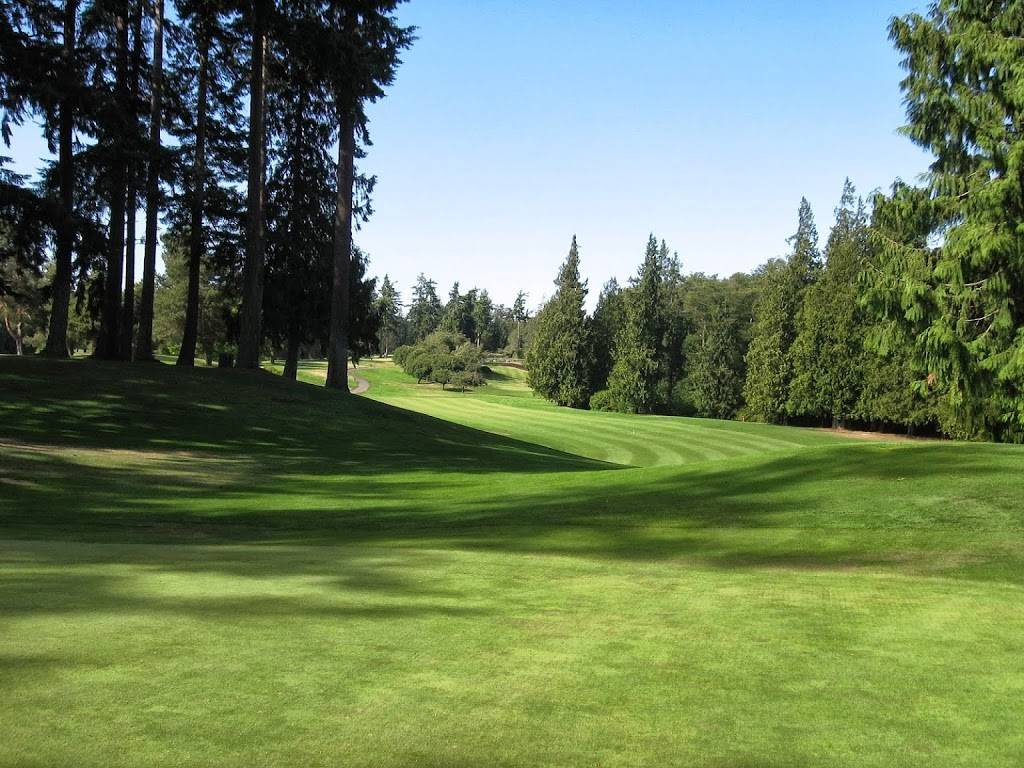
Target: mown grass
x,y
220,567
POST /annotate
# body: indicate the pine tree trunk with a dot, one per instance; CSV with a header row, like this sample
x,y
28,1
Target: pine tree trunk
x,y
144,341
337,349
108,344
132,206
186,356
57,339
252,274
128,303
291,361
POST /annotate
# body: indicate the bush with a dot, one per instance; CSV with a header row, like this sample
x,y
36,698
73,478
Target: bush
x,y
442,358
603,401
419,364
400,354
680,402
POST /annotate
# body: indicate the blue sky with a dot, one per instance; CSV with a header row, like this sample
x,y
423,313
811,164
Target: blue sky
x,y
515,124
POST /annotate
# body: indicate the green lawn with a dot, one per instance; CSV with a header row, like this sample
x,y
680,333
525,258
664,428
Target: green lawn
x,y
216,567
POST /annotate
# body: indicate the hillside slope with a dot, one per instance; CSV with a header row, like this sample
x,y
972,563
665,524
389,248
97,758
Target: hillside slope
x,y
221,567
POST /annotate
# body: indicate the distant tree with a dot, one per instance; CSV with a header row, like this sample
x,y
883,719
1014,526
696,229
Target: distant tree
x,y
673,316
559,357
170,305
444,358
827,356
458,312
608,320
389,310
21,303
714,354
425,310
769,372
482,313
637,368
363,319
519,315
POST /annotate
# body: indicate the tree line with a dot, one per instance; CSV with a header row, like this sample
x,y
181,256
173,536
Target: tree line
x,y
911,313
234,125
911,317
472,315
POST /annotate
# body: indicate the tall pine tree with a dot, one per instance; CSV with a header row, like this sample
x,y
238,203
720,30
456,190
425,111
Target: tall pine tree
x,y
769,372
559,358
964,93
827,357
637,368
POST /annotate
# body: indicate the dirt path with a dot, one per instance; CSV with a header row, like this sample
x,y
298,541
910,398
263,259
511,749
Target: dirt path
x,y
859,434
361,385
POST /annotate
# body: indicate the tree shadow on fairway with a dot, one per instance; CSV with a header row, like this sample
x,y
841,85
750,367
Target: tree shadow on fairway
x,y
254,416
271,461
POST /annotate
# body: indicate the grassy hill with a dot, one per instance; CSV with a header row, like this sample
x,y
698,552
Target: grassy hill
x,y
221,567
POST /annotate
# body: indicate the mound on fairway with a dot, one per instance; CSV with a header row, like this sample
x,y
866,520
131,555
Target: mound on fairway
x,y
220,567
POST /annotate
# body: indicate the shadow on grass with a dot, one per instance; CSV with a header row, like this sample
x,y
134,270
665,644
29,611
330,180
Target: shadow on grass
x,y
245,414
282,464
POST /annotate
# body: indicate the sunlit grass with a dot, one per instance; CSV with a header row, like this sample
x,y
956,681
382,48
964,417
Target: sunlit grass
x,y
221,567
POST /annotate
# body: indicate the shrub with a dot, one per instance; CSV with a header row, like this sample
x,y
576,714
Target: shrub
x,y
680,402
419,364
603,401
442,358
400,354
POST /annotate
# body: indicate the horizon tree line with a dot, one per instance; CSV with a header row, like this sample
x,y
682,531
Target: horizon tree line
x,y
912,316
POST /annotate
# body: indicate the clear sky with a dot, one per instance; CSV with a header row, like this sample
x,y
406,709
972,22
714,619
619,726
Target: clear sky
x,y
514,124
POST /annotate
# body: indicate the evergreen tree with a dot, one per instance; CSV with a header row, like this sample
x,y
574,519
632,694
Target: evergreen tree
x,y
673,316
964,93
170,305
389,310
251,322
144,337
827,356
367,41
136,155
482,314
519,315
363,320
559,357
637,368
609,318
300,192
714,352
769,372
108,23
897,388
61,111
425,311
206,120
